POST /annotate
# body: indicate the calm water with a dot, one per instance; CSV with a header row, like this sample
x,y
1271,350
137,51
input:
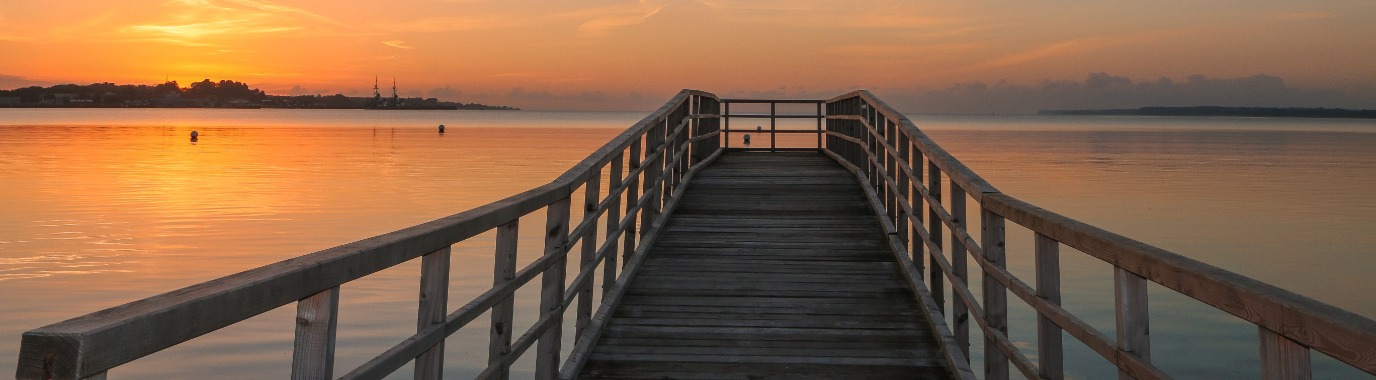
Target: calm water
x,y
102,207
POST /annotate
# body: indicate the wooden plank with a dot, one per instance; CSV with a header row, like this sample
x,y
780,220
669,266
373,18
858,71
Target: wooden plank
x,y
767,278
632,199
1050,358
317,318
1130,309
552,290
503,272
434,300
1282,358
995,297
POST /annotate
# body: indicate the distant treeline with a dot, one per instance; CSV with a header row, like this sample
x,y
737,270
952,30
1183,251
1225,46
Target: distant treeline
x,y
203,94
1223,111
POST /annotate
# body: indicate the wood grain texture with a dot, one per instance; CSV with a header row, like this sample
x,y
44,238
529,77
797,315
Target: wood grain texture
x,y
1050,358
434,301
317,318
749,287
552,290
503,272
1282,358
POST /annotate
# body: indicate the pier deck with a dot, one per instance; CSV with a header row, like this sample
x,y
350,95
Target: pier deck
x,y
773,266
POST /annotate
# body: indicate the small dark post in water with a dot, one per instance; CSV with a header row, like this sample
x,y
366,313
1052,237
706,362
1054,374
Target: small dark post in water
x,y
194,135
441,129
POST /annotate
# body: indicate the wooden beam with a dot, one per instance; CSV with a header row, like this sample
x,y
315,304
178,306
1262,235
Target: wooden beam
x,y
503,272
1282,358
1130,300
1050,358
995,297
434,300
592,197
552,290
960,315
317,318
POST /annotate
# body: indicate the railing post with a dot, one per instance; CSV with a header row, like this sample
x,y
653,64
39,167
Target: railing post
x,y
890,171
654,140
592,197
1282,358
726,124
503,271
934,274
919,202
1050,359
773,127
434,297
904,192
960,315
317,317
1130,298
820,116
613,222
995,296
552,289
632,198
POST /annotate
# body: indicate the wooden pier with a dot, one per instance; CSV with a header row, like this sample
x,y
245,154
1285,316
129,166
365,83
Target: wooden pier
x,y
836,260
746,282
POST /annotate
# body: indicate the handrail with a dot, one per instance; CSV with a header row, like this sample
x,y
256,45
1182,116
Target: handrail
x,y
677,140
887,151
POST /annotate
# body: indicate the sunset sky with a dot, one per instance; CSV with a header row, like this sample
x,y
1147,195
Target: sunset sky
x,y
930,56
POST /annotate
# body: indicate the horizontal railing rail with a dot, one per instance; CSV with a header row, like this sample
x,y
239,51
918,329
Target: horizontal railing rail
x,y
773,117
891,156
647,168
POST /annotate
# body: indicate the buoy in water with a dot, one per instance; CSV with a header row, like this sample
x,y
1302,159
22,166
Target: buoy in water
x,y
441,128
194,135
747,139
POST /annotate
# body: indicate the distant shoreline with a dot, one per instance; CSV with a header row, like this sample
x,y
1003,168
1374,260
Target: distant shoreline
x,y
1313,113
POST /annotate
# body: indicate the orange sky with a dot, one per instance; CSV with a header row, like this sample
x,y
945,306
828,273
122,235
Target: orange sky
x,y
633,54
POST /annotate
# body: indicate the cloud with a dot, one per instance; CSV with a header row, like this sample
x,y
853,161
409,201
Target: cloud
x,y
14,81
397,44
618,18
1103,90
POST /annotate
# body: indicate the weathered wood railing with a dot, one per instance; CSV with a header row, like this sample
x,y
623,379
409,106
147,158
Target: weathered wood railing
x,y
773,117
889,154
647,167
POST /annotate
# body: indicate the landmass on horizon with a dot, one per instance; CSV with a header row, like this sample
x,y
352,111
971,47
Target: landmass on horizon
x,y
208,94
1323,113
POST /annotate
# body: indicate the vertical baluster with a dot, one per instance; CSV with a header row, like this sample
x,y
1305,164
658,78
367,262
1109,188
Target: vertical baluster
x,y
1130,297
632,197
434,298
653,187
773,126
503,271
552,289
904,191
890,170
613,221
592,197
1282,358
1049,356
960,315
995,297
820,117
919,245
726,124
317,317
934,274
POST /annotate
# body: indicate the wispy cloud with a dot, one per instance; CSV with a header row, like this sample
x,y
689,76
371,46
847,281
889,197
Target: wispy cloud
x,y
397,44
1304,16
617,18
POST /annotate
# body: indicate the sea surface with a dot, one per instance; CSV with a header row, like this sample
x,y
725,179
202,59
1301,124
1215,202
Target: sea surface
x,y
100,207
